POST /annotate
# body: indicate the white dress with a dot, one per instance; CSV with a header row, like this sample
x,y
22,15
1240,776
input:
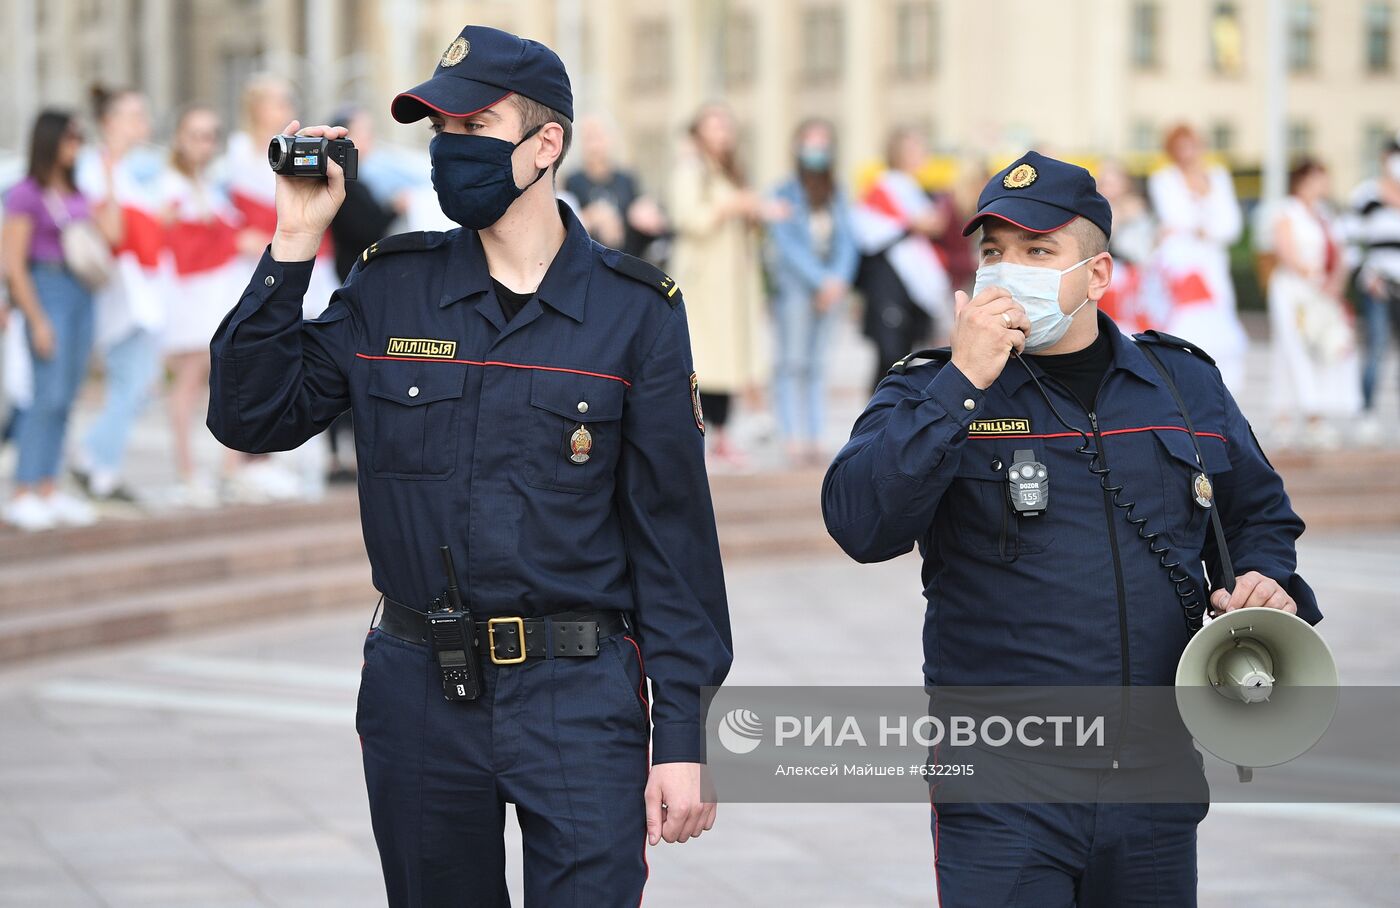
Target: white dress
x,y
205,275
1304,383
1196,234
252,189
131,300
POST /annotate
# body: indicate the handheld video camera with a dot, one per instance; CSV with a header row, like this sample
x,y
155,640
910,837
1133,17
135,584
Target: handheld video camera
x,y
306,156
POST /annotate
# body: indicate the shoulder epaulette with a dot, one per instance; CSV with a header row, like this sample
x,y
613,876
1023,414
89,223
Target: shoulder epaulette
x,y
1171,340
645,272
416,241
939,355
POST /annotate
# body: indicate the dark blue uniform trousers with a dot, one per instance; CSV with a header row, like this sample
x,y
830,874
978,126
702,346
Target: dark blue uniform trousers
x,y
1108,855
565,740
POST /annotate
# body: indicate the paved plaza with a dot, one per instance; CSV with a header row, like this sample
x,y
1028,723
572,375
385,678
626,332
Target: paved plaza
x,y
223,770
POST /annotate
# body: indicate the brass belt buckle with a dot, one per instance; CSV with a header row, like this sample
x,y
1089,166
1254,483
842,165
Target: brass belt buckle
x,y
491,639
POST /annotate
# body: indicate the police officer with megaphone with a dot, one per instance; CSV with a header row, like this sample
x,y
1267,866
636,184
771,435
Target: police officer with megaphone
x,y
1058,479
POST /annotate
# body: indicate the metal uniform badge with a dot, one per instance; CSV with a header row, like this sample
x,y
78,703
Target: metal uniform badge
x,y
1020,178
695,402
1202,490
580,444
456,52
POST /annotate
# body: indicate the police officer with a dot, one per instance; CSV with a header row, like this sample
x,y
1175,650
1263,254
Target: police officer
x,y
524,396
1071,595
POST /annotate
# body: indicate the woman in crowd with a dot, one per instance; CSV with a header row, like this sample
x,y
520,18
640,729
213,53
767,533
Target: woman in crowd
x,y
715,262
1133,244
901,277
1315,369
1195,204
204,240
814,257
1373,228
122,171
58,314
267,109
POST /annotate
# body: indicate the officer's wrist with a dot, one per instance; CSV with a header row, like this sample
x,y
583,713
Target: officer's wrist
x,y
294,246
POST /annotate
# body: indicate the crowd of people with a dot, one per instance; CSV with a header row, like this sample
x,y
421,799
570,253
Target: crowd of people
x,y
121,260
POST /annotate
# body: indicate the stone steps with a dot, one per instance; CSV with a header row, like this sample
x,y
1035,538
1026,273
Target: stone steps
x,y
138,578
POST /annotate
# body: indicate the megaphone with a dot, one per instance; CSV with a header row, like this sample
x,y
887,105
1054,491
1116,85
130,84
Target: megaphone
x,y
1256,687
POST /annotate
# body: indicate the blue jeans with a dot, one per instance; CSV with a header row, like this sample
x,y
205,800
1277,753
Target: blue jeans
x,y
1379,316
39,435
133,363
799,380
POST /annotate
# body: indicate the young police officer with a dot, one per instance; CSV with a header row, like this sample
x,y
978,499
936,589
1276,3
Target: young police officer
x,y
525,397
1071,595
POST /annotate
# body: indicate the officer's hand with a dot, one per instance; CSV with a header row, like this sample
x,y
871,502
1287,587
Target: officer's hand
x,y
985,332
1253,589
305,207
675,809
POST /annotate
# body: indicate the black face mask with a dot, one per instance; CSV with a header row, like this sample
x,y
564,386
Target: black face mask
x,y
474,176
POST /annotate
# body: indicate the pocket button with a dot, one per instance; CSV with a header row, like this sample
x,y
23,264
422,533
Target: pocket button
x,y
413,392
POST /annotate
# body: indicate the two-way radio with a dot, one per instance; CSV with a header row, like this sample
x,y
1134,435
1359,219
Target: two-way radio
x,y
451,627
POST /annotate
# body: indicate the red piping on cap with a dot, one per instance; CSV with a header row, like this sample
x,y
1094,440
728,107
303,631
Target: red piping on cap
x,y
445,113
991,214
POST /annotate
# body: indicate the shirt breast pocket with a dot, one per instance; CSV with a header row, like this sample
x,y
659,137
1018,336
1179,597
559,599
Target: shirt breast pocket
x,y
414,410
575,431
1185,519
979,504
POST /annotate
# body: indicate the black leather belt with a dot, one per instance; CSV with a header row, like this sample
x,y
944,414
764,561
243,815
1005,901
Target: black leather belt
x,y
560,635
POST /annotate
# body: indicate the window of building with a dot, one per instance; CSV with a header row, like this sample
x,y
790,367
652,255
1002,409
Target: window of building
x,y
1222,137
652,152
821,43
1302,36
651,55
1143,136
1226,40
1374,137
1300,138
915,40
739,51
1378,37
1145,39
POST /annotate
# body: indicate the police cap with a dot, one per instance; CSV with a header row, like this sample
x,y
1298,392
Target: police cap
x,y
1042,194
482,67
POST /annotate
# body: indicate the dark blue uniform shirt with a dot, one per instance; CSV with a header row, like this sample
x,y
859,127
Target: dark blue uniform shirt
x,y
1074,596
466,430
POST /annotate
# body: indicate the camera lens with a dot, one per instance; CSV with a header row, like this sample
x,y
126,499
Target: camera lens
x,y
277,153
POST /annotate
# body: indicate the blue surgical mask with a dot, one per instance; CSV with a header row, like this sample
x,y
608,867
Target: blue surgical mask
x,y
1037,289
814,157
474,177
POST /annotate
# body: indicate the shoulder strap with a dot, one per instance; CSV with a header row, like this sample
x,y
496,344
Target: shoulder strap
x,y
401,242
645,272
1171,340
58,209
938,355
1227,568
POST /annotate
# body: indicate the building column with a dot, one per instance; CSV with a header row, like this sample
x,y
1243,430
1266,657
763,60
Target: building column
x,y
157,49
321,71
772,89
863,82
688,88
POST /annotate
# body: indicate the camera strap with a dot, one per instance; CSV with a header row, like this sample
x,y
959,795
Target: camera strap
x,y
1227,567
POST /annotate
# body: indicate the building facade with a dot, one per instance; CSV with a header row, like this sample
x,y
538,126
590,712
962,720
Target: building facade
x,y
983,80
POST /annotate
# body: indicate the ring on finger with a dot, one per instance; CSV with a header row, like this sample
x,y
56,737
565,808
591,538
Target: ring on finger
x,y
1006,317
